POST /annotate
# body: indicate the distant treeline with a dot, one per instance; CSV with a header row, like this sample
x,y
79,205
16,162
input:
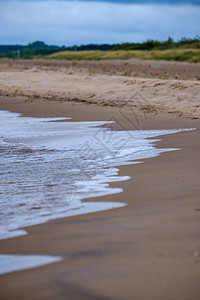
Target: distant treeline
x,y
39,49
32,50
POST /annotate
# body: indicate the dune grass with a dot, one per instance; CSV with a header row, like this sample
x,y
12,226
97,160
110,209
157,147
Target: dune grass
x,y
189,55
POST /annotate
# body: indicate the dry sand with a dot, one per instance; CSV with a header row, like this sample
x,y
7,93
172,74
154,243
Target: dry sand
x,y
149,249
68,83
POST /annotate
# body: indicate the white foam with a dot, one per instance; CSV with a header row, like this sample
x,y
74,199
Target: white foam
x,y
48,168
12,263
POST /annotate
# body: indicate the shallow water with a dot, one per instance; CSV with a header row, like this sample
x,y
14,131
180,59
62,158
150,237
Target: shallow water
x,y
48,166
12,263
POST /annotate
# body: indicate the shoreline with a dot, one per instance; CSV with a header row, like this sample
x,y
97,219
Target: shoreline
x,y
126,139
98,137
148,249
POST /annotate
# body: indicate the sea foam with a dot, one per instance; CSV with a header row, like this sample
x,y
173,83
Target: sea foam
x,y
49,165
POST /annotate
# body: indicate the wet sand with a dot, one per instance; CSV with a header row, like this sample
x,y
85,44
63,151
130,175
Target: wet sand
x,y
149,249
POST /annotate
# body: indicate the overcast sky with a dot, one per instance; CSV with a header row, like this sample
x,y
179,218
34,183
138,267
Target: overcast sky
x,y
73,22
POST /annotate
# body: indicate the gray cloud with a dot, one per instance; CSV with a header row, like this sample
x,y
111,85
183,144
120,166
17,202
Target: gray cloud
x,y
69,23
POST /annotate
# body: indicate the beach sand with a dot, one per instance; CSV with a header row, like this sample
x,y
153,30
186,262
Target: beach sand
x,y
149,249
91,83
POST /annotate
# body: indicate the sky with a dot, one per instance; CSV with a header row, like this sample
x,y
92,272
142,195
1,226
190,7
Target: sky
x,y
72,22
